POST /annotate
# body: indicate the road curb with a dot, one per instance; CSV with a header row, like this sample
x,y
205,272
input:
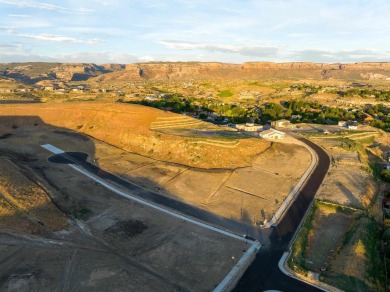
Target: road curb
x,y
279,214
283,266
235,274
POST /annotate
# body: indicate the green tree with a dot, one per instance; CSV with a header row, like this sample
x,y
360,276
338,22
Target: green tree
x,y
288,114
386,175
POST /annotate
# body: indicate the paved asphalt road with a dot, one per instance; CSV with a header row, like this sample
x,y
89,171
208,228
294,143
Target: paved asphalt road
x,y
264,273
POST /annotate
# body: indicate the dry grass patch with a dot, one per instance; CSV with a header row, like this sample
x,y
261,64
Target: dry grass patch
x,y
129,127
24,205
341,245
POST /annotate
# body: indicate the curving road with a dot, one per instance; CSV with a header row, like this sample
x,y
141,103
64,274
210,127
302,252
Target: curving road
x,y
263,274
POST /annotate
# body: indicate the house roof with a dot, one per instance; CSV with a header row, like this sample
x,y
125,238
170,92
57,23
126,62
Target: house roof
x,y
272,131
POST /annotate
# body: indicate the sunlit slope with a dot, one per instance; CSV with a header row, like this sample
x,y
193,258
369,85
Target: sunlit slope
x,y
147,131
24,204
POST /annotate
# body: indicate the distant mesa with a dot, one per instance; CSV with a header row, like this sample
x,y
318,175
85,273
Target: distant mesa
x,y
32,73
251,70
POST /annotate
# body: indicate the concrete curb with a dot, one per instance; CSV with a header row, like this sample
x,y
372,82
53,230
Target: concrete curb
x,y
293,193
235,274
315,283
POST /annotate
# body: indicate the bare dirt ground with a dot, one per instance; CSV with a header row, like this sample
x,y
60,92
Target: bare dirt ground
x,y
349,181
93,240
106,242
249,194
133,128
346,241
339,248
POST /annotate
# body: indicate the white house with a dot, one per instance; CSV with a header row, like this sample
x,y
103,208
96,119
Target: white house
x,y
282,124
352,125
249,127
272,134
151,97
342,123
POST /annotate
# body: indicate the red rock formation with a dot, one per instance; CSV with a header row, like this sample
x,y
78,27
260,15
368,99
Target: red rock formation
x,y
215,70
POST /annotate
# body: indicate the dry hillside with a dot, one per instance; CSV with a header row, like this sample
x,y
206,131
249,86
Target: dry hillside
x,y
143,130
24,203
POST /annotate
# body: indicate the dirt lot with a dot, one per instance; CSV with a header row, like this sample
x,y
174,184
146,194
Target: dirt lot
x,y
95,240
250,194
345,241
108,242
349,181
336,244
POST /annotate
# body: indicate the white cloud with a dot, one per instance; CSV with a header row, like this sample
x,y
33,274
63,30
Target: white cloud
x,y
19,15
7,28
60,38
44,6
9,46
97,57
356,55
300,35
255,50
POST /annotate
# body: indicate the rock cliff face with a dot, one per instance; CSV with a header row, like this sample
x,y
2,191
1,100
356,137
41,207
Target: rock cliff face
x,y
77,72
35,72
250,70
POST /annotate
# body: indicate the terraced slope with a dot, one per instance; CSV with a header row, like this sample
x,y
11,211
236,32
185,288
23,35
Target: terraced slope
x,y
137,129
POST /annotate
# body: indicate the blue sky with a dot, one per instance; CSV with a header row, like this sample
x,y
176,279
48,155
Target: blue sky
x,y
127,31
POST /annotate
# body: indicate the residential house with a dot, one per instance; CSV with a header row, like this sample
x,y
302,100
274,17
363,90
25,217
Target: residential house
x,y
272,134
249,127
352,125
342,123
282,124
151,97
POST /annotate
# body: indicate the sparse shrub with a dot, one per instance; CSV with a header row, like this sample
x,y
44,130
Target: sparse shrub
x,y
83,213
386,175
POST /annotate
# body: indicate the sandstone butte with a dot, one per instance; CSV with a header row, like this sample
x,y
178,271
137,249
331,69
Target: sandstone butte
x,y
250,70
201,71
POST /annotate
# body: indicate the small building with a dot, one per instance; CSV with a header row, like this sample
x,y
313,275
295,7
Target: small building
x,y
272,134
151,97
342,123
282,124
352,125
249,127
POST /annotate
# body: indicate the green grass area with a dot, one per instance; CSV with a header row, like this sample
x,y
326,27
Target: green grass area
x,y
255,83
210,134
225,93
297,260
